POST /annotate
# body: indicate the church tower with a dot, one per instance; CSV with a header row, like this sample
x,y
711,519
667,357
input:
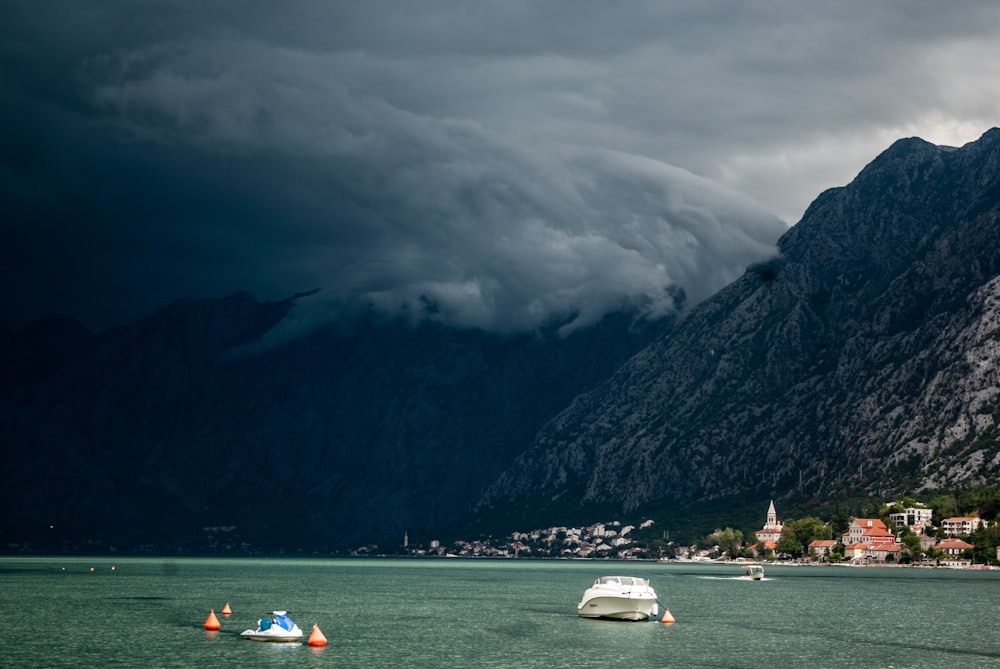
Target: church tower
x,y
772,516
772,528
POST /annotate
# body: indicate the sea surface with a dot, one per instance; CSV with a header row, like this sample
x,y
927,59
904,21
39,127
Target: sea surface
x,y
150,612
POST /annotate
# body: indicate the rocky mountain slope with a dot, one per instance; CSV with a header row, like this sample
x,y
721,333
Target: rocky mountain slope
x,y
861,361
865,360
147,434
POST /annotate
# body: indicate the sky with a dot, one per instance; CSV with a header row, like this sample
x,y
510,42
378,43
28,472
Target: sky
x,y
496,164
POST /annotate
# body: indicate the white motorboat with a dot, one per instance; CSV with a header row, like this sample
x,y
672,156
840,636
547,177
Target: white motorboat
x,y
619,598
754,572
276,626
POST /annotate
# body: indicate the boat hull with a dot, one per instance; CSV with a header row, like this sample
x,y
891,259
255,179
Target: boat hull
x,y
273,638
617,608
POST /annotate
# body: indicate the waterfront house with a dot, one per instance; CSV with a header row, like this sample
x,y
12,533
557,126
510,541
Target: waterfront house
x,y
885,552
855,551
868,531
763,549
960,525
820,548
953,547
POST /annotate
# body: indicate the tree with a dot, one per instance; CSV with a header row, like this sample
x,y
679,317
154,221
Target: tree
x,y
839,522
984,542
989,508
944,506
936,554
872,508
894,508
789,543
729,541
661,548
912,543
752,540
798,534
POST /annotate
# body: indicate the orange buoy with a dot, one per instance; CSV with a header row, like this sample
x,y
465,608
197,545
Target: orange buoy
x,y
226,611
317,638
668,618
212,623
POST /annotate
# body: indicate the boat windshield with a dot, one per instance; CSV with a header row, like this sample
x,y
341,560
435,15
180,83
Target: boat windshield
x,y
621,580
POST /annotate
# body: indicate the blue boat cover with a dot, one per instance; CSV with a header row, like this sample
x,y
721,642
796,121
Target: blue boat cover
x,y
285,622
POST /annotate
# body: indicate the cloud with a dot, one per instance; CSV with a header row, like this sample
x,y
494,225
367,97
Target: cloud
x,y
493,165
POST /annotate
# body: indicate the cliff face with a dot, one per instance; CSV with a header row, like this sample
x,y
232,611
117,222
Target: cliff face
x,y
863,360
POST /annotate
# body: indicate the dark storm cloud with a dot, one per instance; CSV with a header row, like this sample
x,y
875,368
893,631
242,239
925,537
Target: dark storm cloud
x,y
491,164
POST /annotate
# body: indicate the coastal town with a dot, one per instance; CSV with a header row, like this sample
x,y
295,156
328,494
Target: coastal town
x,y
905,536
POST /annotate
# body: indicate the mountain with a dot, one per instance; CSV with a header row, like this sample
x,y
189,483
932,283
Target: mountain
x,y
864,360
861,361
32,354
176,433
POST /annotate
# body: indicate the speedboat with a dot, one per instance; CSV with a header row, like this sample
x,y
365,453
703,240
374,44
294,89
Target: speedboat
x,y
276,626
619,598
754,572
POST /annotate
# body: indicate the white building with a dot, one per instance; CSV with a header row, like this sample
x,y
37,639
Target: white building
x,y
960,525
772,527
868,531
912,516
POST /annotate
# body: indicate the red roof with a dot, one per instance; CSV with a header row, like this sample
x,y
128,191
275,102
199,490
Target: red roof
x,y
888,548
953,544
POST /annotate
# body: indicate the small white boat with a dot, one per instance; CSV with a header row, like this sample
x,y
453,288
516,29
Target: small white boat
x,y
754,572
619,598
277,626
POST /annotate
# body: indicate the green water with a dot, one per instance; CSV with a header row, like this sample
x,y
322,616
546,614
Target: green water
x,y
469,613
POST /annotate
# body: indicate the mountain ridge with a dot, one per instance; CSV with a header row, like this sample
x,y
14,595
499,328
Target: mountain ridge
x,y
757,390
369,429
863,360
